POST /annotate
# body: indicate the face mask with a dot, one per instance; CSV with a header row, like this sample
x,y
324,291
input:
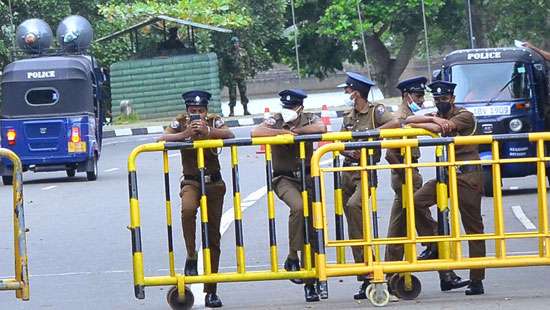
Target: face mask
x,y
414,107
349,102
443,107
289,115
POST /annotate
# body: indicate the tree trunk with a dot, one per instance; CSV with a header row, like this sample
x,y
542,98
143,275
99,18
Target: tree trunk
x,y
388,70
479,23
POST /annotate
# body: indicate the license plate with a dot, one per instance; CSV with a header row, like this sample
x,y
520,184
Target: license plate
x,y
77,147
490,110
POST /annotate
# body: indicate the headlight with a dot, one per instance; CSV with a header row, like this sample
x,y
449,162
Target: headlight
x,y
515,125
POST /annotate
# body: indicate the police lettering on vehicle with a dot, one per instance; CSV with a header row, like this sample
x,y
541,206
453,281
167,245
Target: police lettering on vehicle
x,y
40,74
484,55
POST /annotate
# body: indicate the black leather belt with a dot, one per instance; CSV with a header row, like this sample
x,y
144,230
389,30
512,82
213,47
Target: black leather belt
x,y
468,169
209,178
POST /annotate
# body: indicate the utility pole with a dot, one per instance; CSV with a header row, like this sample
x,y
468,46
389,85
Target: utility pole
x,y
472,37
296,40
426,41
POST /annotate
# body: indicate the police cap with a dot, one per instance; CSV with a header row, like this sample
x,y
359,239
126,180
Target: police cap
x,y
291,98
196,98
416,84
442,88
358,82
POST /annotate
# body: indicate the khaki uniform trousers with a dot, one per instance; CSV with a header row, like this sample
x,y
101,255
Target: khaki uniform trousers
x,y
190,202
469,204
351,194
288,190
425,224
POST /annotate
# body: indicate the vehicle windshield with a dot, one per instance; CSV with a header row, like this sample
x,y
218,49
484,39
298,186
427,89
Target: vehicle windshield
x,y
490,82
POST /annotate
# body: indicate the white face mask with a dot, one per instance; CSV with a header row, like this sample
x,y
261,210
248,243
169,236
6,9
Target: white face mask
x,y
349,102
289,115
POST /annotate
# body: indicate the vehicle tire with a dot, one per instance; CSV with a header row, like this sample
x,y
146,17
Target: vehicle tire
x,y
92,175
401,292
175,303
488,182
71,172
7,179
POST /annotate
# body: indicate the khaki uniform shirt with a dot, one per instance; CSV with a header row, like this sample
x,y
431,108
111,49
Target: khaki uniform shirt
x,y
465,123
286,158
402,113
375,116
189,156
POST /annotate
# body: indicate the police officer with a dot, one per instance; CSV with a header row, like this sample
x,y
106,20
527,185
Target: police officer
x,y
453,121
197,124
363,115
287,175
412,100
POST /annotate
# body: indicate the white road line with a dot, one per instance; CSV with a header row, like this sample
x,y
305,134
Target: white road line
x,y
47,188
520,215
514,188
174,155
325,162
227,218
110,170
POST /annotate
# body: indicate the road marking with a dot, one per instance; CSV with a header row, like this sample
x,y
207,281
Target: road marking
x,y
227,218
110,170
514,188
123,132
520,215
174,155
47,188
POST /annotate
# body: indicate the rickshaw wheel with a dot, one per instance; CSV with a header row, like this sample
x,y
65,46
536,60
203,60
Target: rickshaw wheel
x,y
92,175
175,303
7,179
71,172
401,292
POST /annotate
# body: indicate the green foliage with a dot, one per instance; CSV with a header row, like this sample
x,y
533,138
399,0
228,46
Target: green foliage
x,y
126,119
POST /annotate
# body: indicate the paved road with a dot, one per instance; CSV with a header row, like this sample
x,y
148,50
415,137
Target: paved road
x,y
80,251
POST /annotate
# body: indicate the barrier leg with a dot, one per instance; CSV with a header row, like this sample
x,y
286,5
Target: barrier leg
x,y
239,240
271,209
500,244
338,210
544,242
168,206
207,261
442,197
135,229
305,202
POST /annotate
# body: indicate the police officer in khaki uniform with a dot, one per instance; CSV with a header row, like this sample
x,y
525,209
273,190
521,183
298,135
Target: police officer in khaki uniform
x,y
286,172
412,95
197,124
364,115
453,121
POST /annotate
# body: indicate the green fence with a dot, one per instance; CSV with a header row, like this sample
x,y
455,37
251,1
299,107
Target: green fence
x,y
154,86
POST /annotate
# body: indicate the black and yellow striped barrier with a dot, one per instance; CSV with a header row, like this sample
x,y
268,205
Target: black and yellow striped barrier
x,y
450,238
20,283
274,273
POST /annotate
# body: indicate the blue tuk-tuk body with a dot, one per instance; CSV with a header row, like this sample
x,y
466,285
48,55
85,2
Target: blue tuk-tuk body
x,y
507,90
51,114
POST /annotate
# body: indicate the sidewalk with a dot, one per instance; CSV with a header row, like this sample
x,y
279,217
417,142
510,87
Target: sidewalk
x,y
314,103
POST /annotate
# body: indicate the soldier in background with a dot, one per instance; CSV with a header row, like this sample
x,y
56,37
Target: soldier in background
x,y
236,66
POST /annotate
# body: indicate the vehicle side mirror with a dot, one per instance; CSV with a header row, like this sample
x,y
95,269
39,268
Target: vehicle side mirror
x,y
436,75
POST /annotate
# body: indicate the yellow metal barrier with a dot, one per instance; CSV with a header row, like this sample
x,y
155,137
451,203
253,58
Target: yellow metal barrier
x,y
21,281
182,296
450,238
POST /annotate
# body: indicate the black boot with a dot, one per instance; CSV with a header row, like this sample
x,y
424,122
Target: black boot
x,y
475,288
190,267
293,265
429,253
450,281
245,110
231,110
211,300
361,294
311,293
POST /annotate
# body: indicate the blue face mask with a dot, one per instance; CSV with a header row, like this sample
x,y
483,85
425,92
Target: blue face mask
x,y
414,107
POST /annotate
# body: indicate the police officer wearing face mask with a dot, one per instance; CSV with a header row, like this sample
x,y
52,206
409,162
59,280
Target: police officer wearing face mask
x,y
412,95
286,172
453,121
363,115
197,124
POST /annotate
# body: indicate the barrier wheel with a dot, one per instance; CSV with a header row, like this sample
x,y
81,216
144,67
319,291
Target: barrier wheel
x,y
71,172
392,282
175,303
7,179
400,290
378,295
